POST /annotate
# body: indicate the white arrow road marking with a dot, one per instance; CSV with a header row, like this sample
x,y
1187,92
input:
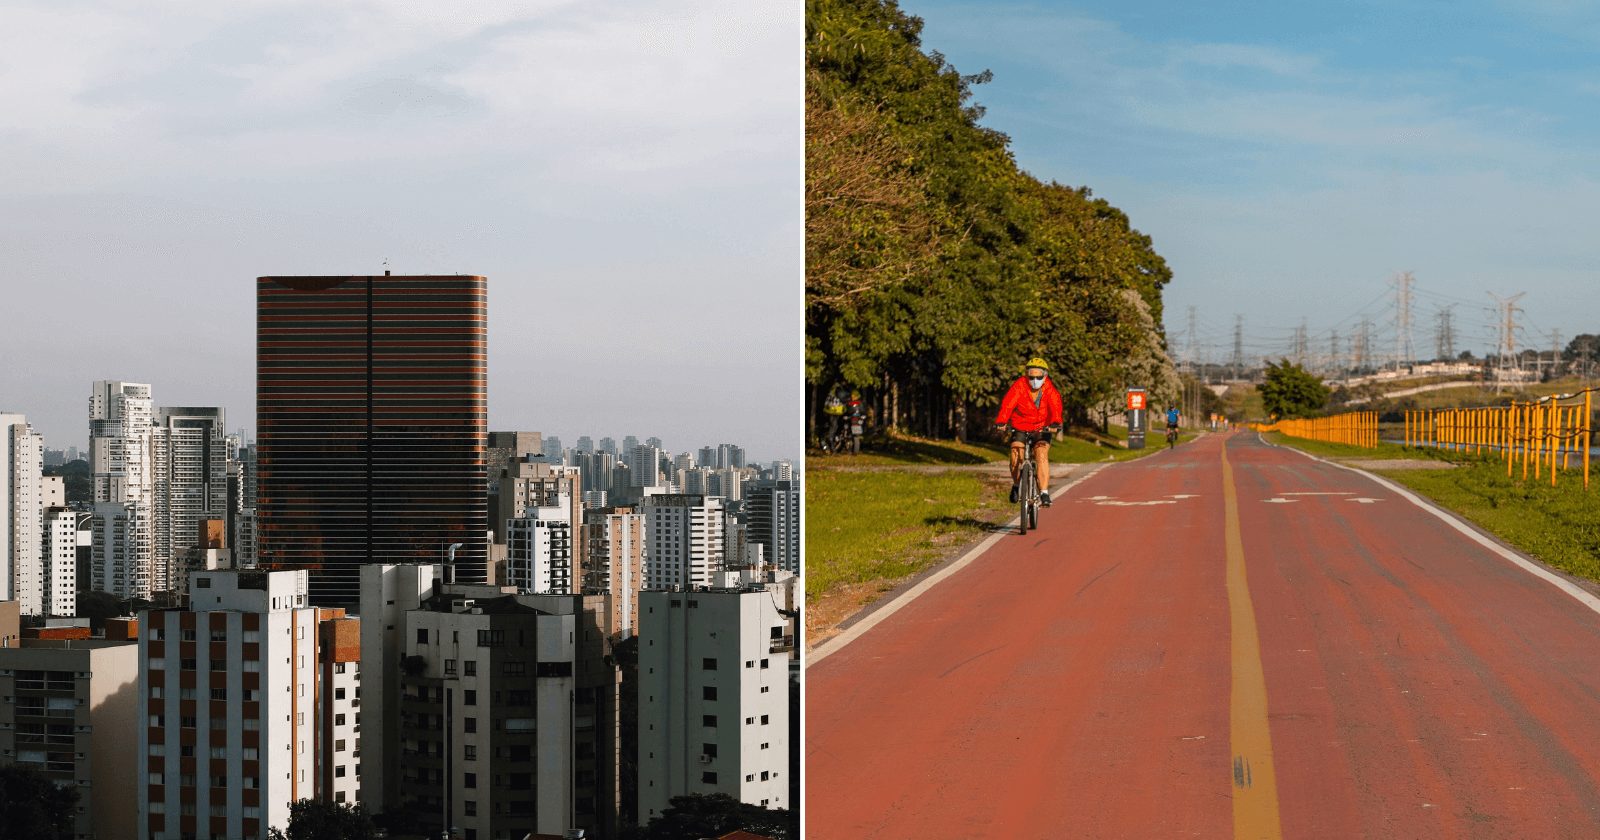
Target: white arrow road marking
x,y
1277,501
1134,504
1318,493
1184,496
1363,500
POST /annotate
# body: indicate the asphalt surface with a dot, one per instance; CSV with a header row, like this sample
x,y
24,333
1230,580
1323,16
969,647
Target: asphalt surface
x,y
1225,640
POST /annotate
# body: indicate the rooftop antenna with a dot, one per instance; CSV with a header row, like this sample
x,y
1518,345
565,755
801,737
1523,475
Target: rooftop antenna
x,y
386,266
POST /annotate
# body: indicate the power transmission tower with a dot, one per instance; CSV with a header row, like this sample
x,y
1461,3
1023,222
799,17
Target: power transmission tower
x,y
1300,344
1363,350
1333,355
1507,345
1238,346
1445,337
1191,354
1555,351
1402,337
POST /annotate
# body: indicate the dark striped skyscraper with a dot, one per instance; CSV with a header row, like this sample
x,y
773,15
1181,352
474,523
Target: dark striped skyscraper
x,y
371,419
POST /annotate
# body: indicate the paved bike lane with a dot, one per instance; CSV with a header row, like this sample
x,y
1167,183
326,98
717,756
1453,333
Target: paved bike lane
x,y
1076,682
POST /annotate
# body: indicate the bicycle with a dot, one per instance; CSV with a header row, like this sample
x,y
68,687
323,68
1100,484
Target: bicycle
x,y
845,439
1172,437
1028,500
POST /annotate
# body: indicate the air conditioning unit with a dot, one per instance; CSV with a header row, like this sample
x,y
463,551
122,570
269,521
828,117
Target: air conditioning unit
x,y
705,759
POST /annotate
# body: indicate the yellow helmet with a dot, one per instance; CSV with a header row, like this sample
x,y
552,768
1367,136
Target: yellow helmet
x,y
1036,362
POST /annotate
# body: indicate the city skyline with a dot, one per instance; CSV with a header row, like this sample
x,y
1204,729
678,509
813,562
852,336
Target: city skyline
x,y
621,173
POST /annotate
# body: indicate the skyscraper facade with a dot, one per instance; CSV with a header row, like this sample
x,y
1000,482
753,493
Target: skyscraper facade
x,y
371,418
21,512
189,482
119,460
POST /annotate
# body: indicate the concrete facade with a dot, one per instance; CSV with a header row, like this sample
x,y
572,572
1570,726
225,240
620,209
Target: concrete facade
x,y
71,708
713,696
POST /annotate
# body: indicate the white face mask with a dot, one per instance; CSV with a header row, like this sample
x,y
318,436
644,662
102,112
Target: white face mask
x,y
1036,382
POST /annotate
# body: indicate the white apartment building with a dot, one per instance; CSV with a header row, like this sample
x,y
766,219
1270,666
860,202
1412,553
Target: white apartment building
x,y
21,513
683,539
539,550
713,696
119,460
58,554
69,711
189,458
228,696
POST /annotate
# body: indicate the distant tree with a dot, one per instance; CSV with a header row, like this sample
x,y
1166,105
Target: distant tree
x,y
695,817
1289,391
311,819
98,606
32,807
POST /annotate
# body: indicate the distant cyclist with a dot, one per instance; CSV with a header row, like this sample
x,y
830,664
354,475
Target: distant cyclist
x,y
1031,406
1172,423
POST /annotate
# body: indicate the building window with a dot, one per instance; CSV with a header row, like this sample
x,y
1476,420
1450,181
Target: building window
x,y
202,583
764,720
764,774
708,750
708,664
470,752
219,693
469,724
514,669
709,777
765,663
338,693
708,693
338,746
422,635
470,667
338,720
449,667
219,752
749,663
338,667
469,780
469,697
338,771
708,720
470,807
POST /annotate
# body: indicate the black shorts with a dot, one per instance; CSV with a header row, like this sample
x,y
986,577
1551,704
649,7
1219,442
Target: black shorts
x,y
1022,437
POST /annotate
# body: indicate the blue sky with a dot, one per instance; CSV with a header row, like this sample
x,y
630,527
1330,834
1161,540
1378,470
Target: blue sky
x,y
1290,159
627,174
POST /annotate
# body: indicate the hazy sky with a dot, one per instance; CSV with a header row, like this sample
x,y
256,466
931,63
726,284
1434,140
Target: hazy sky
x,y
627,174
1290,159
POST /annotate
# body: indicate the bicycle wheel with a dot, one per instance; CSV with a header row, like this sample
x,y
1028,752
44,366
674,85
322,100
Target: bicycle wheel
x,y
1033,515
1025,485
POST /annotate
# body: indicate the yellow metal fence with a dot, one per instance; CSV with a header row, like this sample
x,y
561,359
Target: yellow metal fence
x,y
1538,436
1356,428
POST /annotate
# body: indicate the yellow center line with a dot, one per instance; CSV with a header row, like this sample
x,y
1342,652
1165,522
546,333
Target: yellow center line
x,y
1255,787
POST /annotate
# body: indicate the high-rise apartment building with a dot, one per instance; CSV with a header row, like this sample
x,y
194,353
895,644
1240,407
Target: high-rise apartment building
x,y
713,696
58,562
120,415
615,538
644,466
774,521
232,710
683,540
608,446
67,709
21,514
189,458
371,423
540,549
585,444
487,708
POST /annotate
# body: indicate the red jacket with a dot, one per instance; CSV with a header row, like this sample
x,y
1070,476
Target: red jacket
x,y
1018,408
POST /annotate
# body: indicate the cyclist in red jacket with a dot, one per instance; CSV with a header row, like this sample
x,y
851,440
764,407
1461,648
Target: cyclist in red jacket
x,y
1031,405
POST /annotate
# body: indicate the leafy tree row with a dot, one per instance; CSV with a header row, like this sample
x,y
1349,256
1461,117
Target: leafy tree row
x,y
934,266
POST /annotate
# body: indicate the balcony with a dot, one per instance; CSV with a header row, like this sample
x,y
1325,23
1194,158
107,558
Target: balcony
x,y
782,644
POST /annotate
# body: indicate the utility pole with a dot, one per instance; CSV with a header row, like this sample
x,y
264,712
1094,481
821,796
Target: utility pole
x,y
1402,337
1191,354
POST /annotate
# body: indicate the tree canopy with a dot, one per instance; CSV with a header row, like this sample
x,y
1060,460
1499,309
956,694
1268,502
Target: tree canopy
x,y
312,819
1289,391
698,816
935,265
32,807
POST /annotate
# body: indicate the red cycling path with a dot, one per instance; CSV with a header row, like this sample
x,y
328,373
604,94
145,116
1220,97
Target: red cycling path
x,y
1373,671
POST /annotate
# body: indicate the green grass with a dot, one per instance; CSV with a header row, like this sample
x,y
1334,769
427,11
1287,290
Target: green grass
x,y
888,525
1559,525
1080,446
1343,450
